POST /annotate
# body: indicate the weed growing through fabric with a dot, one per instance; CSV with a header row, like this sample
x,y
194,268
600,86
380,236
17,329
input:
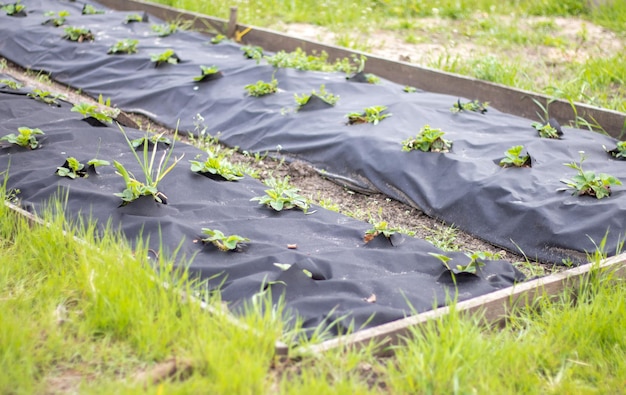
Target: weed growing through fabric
x,y
379,228
91,110
262,88
125,46
323,94
14,9
10,83
153,173
78,34
371,115
88,9
282,196
26,138
588,182
206,72
253,52
221,241
217,165
474,106
427,140
166,57
444,238
45,96
513,157
57,18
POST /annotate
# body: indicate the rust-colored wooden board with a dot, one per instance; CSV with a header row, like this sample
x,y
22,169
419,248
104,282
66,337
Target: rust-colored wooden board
x,y
506,99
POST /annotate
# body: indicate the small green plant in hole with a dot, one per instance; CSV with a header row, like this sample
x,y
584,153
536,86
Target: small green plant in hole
x,y
262,88
371,78
13,9
206,72
474,106
218,39
323,94
133,18
588,182
167,56
169,28
409,89
92,110
78,34
125,46
57,19
252,52
477,260
619,152
153,174
427,140
150,139
10,83
88,9
378,228
45,97
513,157
217,165
26,138
282,196
546,130
73,168
371,115
221,241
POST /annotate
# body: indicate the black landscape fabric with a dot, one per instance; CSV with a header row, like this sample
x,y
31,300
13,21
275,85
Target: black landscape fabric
x,y
342,272
520,209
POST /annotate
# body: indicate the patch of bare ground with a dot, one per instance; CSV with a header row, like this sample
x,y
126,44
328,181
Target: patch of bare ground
x,y
325,192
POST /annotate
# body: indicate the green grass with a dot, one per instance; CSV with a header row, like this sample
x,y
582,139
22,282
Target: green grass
x,y
87,312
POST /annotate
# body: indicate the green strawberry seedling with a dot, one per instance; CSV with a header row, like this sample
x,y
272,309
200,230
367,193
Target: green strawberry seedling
x,y
169,28
619,152
221,241
218,39
207,73
92,110
10,83
371,115
26,138
58,19
476,262
153,139
166,57
513,157
125,46
546,131
409,89
45,97
132,18
78,34
588,182
72,168
218,165
323,94
427,140
88,9
153,174
262,88
253,52
14,9
379,228
474,106
282,196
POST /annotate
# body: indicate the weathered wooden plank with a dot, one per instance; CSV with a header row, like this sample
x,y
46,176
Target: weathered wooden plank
x,y
506,99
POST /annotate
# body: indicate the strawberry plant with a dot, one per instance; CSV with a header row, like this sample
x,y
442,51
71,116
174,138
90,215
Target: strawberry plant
x,y
126,46
323,94
26,138
78,34
588,182
513,157
549,130
14,9
92,110
371,78
379,228
150,139
153,174
282,196
218,165
45,97
427,140
169,28
88,9
409,89
474,106
371,115
58,19
253,52
10,83
207,73
132,18
619,152
218,39
262,88
477,259
72,168
221,241
166,57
